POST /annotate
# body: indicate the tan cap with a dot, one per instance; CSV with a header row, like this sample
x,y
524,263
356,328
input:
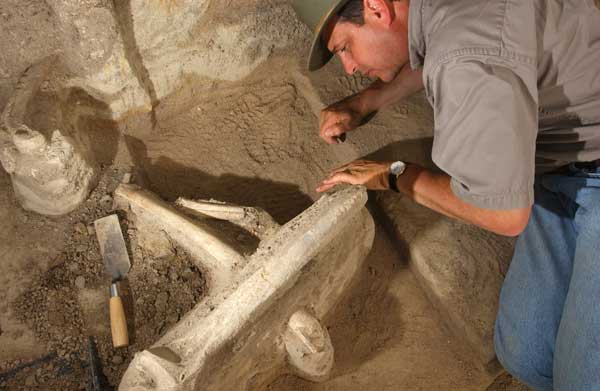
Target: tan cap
x,y
315,14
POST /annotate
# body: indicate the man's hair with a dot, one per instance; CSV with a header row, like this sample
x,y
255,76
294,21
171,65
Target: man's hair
x,y
352,12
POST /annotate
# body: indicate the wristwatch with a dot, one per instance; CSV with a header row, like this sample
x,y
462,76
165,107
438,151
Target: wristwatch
x,y
396,169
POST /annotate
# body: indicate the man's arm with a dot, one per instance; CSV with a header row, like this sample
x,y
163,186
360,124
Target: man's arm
x,y
432,190
348,114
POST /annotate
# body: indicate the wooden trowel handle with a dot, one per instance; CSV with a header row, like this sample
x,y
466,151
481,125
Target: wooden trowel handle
x,y
118,322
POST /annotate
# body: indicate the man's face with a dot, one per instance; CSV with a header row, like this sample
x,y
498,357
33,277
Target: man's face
x,y
374,49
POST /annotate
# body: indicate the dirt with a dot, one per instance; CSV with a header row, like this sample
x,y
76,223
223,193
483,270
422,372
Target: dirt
x,y
68,302
243,143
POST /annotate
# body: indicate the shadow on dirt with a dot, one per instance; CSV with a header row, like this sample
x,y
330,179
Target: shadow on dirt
x,y
170,180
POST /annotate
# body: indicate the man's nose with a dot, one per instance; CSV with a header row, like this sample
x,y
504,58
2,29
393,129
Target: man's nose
x,y
350,66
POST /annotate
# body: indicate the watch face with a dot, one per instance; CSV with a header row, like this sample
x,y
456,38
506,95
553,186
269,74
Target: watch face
x,y
397,168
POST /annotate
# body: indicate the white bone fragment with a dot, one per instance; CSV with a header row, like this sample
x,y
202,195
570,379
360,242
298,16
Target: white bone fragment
x,y
308,346
255,220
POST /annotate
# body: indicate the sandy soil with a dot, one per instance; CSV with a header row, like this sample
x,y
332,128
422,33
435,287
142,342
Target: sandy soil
x,y
251,143
66,300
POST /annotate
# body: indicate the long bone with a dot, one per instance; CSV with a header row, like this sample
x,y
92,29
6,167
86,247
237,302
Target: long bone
x,y
200,240
244,338
255,220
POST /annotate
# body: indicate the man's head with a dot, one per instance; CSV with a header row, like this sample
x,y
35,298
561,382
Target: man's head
x,y
369,36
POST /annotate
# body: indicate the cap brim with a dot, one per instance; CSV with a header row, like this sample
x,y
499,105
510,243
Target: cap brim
x,y
319,54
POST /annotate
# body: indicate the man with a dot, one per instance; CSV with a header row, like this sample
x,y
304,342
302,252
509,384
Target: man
x,y
515,88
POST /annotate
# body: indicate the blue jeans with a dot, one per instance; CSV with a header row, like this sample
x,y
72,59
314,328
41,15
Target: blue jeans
x,y
548,326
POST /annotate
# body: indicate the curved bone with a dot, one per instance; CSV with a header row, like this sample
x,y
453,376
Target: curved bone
x,y
307,264
198,239
255,220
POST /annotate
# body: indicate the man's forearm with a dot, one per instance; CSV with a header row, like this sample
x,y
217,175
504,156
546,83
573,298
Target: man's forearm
x,y
379,94
433,191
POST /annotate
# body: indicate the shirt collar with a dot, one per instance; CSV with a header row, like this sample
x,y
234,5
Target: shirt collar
x,y
416,40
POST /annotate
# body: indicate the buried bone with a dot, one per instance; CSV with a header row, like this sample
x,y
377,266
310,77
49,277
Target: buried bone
x,y
261,315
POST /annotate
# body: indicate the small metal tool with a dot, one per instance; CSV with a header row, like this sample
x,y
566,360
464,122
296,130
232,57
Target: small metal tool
x,y
116,262
95,371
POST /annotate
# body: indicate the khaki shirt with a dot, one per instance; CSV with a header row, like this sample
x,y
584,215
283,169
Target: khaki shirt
x,y
515,88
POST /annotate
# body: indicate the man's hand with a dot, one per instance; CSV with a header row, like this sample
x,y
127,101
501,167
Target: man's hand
x,y
349,113
339,118
374,175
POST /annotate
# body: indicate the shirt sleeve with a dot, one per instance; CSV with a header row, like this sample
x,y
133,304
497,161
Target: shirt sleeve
x,y
485,131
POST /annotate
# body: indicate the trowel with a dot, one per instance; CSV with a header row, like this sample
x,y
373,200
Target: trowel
x,y
116,262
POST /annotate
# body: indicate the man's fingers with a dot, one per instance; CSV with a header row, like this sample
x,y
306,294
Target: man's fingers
x,y
341,177
336,179
333,133
336,129
357,165
330,140
332,180
341,168
322,188
329,137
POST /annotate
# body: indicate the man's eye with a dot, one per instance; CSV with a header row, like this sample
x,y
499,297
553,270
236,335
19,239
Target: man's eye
x,y
343,49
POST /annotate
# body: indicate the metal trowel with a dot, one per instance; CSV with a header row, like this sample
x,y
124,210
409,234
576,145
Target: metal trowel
x,y
116,262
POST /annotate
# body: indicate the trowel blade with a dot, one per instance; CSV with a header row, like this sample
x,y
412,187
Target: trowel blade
x,y
112,246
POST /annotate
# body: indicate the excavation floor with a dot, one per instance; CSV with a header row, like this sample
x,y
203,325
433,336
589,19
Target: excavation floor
x,y
388,337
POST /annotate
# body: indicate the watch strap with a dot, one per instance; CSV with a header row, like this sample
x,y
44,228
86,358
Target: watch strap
x,y
392,179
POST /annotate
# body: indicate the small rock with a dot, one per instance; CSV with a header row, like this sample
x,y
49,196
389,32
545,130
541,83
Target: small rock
x,y
126,178
117,360
161,301
172,319
91,230
81,248
80,282
187,274
30,381
80,228
106,201
73,267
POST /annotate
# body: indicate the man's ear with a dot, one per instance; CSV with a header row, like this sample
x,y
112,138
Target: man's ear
x,y
379,12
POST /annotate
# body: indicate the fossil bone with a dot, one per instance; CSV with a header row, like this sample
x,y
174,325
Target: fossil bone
x,y
308,346
254,220
262,315
49,173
